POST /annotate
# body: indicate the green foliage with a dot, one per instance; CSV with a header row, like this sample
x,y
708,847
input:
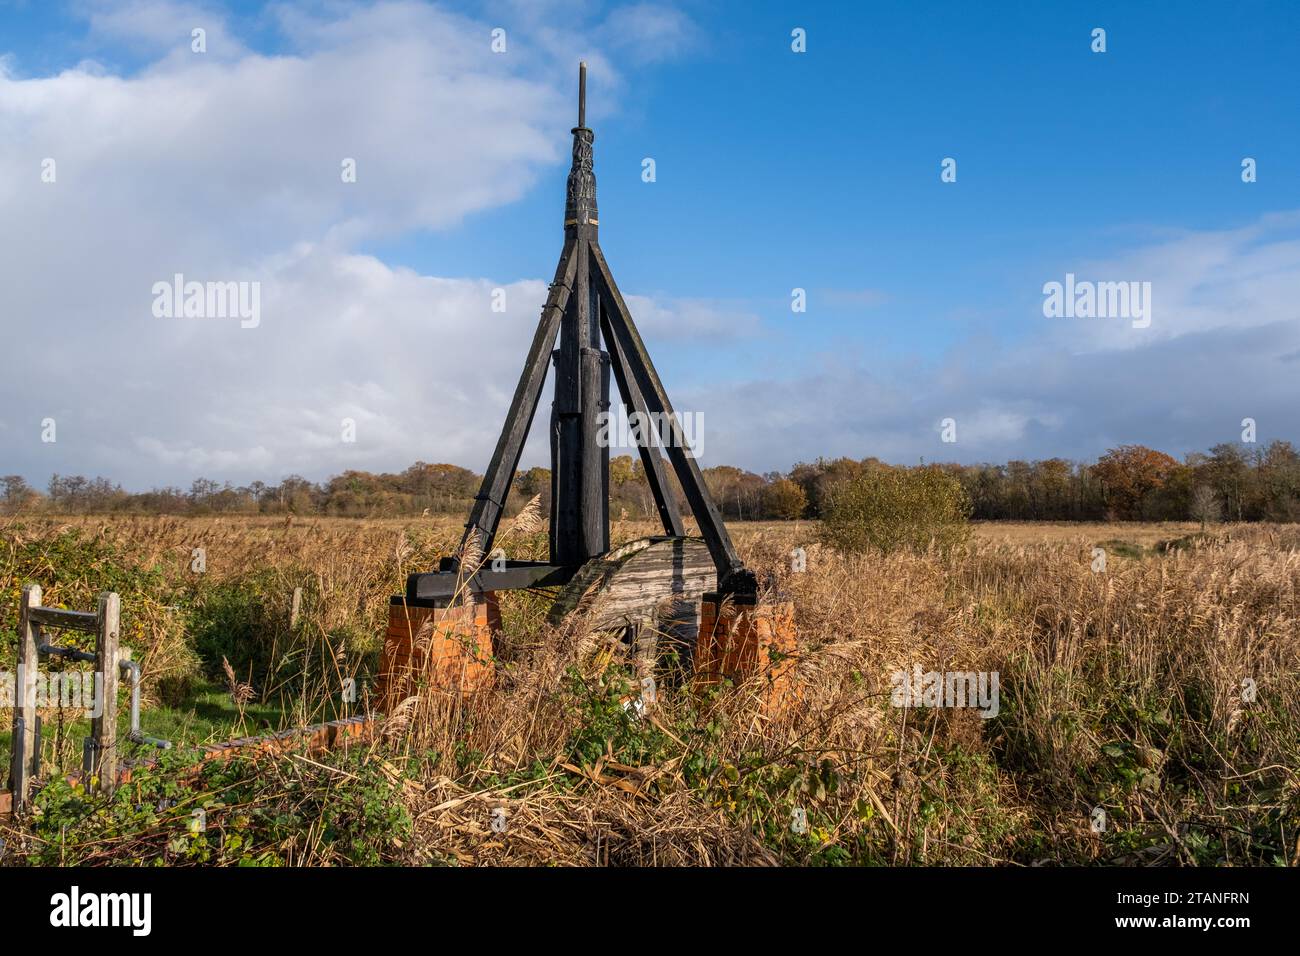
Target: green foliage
x,y
765,794
73,568
890,509
1117,547
340,809
237,619
245,620
1142,748
606,726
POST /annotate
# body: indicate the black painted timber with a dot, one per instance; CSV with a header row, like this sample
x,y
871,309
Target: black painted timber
x,y
652,463
490,502
583,307
732,574
435,589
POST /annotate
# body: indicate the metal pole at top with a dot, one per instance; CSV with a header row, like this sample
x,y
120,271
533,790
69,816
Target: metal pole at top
x,y
582,94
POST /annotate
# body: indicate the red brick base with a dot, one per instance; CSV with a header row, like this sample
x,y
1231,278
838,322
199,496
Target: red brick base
x,y
454,655
747,642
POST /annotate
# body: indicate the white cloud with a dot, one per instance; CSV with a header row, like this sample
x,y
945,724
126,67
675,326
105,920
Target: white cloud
x,y
666,317
161,27
648,32
1201,281
1222,346
227,168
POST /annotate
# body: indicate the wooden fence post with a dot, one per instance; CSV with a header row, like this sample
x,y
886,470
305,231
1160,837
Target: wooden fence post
x,y
295,607
23,760
103,728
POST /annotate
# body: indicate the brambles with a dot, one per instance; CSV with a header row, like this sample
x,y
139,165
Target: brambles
x,y
888,509
338,808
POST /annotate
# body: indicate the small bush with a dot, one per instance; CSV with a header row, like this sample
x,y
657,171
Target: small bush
x,y
889,509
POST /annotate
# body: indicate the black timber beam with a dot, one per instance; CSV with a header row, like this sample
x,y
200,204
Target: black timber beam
x,y
439,587
490,502
652,462
733,576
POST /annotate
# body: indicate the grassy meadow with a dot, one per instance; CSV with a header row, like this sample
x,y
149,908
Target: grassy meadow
x,y
1149,711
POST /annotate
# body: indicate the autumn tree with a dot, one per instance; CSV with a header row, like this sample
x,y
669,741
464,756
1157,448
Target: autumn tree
x,y
1279,482
442,487
784,500
16,494
533,482
628,490
735,490
817,478
1228,473
1128,474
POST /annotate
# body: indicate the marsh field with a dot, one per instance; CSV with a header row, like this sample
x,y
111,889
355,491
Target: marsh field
x,y
1148,711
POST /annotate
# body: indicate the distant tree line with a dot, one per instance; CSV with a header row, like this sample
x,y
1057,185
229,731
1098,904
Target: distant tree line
x,y
1230,482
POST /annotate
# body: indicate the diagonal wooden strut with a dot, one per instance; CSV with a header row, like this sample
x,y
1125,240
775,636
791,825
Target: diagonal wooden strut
x,y
651,461
733,577
490,501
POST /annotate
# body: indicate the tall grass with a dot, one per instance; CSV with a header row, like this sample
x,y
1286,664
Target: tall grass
x,y
1149,713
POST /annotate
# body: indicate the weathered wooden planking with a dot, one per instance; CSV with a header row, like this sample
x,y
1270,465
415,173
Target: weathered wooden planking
x,y
649,580
103,729
24,726
69,620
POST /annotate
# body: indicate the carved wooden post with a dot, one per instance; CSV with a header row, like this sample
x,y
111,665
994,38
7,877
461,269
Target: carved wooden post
x,y
23,762
580,463
103,728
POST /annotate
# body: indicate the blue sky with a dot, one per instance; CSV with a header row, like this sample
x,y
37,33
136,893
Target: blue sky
x,y
821,171
775,170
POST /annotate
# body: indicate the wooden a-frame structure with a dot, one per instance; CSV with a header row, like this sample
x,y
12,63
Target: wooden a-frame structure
x,y
585,309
